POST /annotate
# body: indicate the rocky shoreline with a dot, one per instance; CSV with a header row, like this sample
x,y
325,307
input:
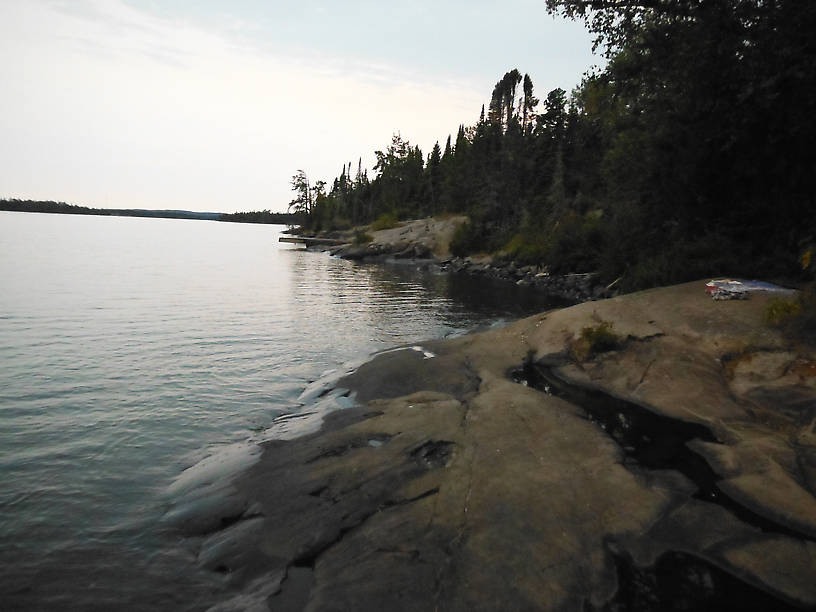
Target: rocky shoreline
x,y
425,242
521,468
575,287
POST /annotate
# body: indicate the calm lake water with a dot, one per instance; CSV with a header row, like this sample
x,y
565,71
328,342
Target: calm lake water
x,y
130,349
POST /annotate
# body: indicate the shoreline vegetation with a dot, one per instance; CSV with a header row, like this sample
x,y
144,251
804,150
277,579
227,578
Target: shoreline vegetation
x,y
48,206
427,243
687,155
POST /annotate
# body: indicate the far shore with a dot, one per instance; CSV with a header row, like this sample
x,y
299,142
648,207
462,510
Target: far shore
x,y
62,208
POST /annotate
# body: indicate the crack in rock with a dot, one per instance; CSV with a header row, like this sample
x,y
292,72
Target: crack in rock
x,y
650,441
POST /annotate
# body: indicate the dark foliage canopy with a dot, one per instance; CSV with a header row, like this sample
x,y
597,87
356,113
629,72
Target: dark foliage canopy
x,y
688,155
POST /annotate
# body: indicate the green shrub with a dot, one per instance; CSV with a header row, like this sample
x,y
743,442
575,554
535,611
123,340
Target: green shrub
x,y
595,340
796,318
528,248
803,324
465,240
779,311
601,338
384,221
575,243
360,237
569,244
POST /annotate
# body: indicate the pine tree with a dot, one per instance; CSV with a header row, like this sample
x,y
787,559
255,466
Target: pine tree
x,y
529,102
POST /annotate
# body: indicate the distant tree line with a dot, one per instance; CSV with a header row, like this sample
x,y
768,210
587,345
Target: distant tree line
x,y
689,154
263,216
47,206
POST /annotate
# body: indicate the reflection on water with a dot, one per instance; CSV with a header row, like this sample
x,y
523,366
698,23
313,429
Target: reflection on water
x,y
133,348
402,302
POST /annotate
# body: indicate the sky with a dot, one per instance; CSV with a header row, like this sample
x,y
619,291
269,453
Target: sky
x,y
213,105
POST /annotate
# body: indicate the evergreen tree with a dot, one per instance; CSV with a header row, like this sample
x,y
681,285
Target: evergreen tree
x,y
529,102
302,202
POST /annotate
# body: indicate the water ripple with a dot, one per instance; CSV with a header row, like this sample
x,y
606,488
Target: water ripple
x,y
133,348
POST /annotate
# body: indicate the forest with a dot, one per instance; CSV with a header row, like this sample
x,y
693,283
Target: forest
x,y
262,216
688,154
49,206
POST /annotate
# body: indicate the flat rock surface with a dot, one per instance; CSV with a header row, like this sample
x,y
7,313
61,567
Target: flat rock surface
x,y
415,239
433,233
456,485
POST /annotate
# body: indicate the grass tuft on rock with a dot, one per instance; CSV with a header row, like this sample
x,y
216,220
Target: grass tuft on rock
x,y
596,339
779,311
601,338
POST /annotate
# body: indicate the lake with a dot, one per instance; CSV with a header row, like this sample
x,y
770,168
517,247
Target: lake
x,y
131,349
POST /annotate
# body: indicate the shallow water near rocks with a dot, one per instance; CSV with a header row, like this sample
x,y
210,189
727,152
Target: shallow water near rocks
x,y
131,349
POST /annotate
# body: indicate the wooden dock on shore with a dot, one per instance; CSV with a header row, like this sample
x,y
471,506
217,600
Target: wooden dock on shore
x,y
312,241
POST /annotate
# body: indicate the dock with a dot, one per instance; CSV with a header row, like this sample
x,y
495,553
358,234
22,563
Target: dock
x,y
312,241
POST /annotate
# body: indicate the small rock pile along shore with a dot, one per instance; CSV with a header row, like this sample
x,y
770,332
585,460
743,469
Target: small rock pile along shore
x,y
574,287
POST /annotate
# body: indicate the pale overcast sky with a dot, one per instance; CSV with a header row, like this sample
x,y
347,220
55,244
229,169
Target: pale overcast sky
x,y
212,105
